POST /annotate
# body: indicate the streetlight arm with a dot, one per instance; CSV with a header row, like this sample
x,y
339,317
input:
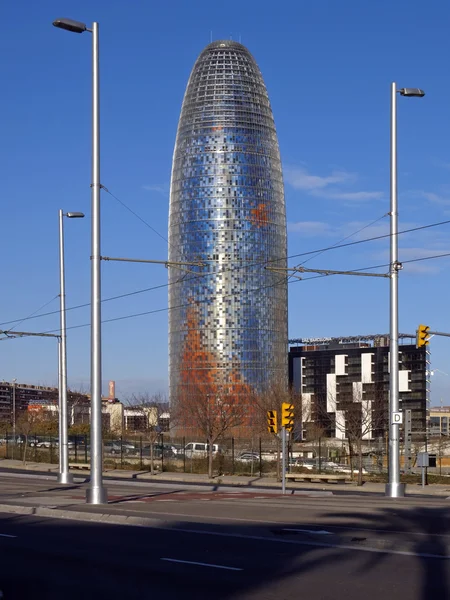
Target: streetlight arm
x,y
74,215
412,92
70,25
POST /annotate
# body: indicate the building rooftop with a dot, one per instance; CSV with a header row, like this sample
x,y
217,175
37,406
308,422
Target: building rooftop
x,y
226,44
378,339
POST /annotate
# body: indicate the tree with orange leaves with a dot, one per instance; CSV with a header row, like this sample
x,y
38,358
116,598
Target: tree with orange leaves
x,y
213,409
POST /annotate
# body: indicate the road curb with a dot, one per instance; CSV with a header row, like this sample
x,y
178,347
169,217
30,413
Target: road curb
x,y
218,482
77,515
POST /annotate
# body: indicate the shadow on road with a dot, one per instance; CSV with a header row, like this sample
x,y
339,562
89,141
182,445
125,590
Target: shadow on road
x,y
385,554
424,531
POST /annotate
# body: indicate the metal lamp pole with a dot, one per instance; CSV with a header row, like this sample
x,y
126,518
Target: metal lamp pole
x,y
60,410
96,494
394,488
64,475
14,414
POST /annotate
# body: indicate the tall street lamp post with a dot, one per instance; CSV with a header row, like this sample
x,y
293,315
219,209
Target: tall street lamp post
x,y
394,488
14,414
96,493
64,475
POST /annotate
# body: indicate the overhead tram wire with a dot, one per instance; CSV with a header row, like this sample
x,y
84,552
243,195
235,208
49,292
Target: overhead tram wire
x,y
346,238
167,309
32,315
320,250
371,239
86,304
316,252
342,240
133,212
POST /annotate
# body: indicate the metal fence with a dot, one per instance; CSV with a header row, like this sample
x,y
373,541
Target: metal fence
x,y
231,456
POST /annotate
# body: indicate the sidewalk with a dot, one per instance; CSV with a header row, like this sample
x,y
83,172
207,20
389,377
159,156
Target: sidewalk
x,y
33,492
436,490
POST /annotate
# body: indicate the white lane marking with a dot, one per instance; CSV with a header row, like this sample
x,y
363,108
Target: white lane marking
x,y
321,532
201,564
278,523
304,543
7,535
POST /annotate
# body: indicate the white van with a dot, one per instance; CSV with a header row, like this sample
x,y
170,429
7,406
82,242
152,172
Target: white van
x,y
199,450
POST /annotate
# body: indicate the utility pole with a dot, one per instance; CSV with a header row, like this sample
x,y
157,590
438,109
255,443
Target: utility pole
x,y
407,433
287,424
14,414
283,460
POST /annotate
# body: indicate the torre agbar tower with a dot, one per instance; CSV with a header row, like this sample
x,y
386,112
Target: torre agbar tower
x,y
228,316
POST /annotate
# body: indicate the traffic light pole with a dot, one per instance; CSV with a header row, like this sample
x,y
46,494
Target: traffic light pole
x,y
429,332
283,460
423,335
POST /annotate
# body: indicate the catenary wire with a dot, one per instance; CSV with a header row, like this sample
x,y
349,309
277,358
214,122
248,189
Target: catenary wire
x,y
371,239
320,250
346,238
135,214
316,252
167,308
32,315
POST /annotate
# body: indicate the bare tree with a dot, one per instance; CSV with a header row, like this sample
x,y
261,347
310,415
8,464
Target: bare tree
x,y
147,410
79,411
212,409
35,420
314,424
358,416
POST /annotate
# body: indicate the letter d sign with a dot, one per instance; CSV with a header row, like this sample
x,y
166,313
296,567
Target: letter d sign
x,y
397,418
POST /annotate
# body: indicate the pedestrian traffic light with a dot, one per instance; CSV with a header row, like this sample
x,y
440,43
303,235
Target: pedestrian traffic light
x,y
287,416
272,425
423,337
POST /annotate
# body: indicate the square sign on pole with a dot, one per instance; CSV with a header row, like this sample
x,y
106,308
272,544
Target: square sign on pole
x,y
423,459
397,418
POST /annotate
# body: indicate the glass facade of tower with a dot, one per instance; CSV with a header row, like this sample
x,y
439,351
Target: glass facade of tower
x,y
228,316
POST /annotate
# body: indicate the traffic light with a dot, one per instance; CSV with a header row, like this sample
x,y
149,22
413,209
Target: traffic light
x,y
272,425
422,336
287,416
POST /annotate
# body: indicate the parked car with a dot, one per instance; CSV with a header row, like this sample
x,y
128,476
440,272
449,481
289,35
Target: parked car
x,y
10,440
32,441
48,444
327,465
347,469
158,451
248,457
199,450
116,447
177,449
302,462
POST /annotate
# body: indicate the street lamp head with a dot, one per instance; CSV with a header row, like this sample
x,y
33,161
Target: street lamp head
x,y
74,215
412,92
70,25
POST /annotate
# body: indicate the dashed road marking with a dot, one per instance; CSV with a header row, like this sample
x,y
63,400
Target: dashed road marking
x,y
201,564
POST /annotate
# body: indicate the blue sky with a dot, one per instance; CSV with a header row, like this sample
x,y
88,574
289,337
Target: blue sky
x,y
328,67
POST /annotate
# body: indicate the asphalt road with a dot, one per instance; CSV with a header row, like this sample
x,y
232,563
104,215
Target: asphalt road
x,y
222,545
